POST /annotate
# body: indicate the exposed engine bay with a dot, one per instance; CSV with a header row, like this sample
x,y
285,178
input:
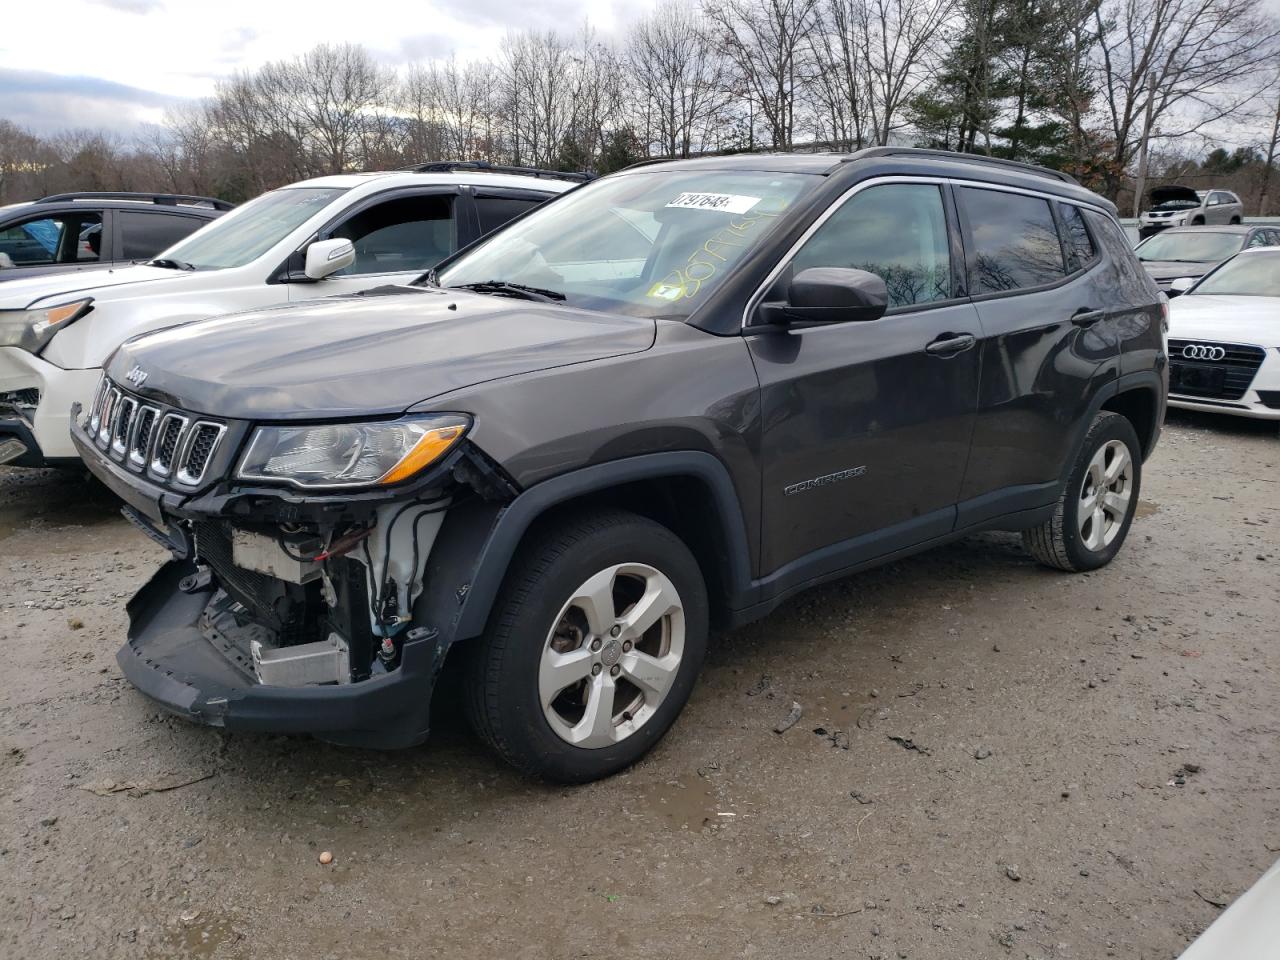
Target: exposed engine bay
x,y
297,604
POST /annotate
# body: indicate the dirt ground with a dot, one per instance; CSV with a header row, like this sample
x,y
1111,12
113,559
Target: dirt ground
x,y
1013,763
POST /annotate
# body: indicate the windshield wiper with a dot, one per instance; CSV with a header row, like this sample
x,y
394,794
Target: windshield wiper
x,y
169,264
513,290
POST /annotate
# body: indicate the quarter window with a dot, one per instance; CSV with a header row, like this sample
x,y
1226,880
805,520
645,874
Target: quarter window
x,y
896,231
1015,240
1075,238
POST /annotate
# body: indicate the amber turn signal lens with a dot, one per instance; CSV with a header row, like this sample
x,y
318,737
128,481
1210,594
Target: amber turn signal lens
x,y
430,448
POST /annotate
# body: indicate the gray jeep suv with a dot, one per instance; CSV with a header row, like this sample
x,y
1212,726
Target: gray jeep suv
x,y
665,401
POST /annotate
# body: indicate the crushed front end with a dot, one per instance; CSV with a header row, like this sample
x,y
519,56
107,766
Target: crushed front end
x,y
306,593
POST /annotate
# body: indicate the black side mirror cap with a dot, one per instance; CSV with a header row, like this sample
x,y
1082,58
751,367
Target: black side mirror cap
x,y
829,295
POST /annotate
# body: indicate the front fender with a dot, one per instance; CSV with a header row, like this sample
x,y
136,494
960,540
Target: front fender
x,y
476,596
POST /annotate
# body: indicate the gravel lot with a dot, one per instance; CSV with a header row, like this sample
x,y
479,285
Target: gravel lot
x,y
1013,763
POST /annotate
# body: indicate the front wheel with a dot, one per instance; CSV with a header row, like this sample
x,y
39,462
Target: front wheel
x,y
593,648
1093,515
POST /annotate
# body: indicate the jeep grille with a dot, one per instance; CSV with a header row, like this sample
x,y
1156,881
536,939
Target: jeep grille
x,y
169,445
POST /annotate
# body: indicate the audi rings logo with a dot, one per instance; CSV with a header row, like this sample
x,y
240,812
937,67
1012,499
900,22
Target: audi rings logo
x,y
1203,351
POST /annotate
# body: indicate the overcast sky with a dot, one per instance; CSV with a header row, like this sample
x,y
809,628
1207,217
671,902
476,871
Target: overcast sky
x,y
117,63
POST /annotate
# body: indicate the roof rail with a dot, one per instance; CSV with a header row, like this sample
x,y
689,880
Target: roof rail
x,y
483,166
164,199
979,158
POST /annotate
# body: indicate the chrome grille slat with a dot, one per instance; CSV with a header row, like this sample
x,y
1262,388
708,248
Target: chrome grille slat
x,y
168,441
202,440
108,415
95,414
120,429
140,442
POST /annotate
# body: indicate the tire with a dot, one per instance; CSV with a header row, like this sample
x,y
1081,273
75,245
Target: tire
x,y
541,634
1197,222
1074,540
1235,220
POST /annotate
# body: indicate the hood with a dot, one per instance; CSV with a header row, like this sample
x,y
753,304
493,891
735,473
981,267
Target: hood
x,y
23,273
21,293
1226,318
1172,269
370,354
1161,195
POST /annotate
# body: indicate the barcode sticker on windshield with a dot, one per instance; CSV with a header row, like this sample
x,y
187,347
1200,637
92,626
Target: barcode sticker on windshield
x,y
722,202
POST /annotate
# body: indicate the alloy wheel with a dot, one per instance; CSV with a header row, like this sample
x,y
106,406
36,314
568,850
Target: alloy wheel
x,y
612,655
1105,495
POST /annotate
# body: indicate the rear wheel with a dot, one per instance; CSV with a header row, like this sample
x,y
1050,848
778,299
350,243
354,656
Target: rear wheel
x,y
1093,516
593,649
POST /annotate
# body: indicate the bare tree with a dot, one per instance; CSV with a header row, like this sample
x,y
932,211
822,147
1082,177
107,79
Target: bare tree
x,y
19,154
1272,145
899,43
1176,66
331,89
677,76
765,41
838,91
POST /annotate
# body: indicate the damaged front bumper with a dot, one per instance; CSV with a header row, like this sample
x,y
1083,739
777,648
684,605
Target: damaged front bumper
x,y
295,613
169,658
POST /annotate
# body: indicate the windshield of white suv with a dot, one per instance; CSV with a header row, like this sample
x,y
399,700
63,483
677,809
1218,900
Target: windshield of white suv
x,y
248,231
1197,247
648,244
1253,275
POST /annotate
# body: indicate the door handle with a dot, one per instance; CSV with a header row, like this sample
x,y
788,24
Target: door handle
x,y
949,344
1087,318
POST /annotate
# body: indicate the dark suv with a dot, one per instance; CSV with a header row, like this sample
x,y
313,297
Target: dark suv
x,y
669,399
81,231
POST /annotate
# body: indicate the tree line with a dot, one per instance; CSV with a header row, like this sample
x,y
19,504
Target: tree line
x,y
1097,88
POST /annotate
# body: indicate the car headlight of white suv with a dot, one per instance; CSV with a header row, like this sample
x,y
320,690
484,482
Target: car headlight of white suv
x,y
31,330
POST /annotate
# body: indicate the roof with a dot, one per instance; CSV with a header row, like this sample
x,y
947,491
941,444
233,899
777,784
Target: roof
x,y
1209,228
396,178
909,161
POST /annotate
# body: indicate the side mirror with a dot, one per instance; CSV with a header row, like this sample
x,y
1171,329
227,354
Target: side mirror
x,y
328,256
829,295
1181,285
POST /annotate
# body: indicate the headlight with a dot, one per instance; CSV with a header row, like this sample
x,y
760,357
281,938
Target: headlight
x,y
350,454
32,329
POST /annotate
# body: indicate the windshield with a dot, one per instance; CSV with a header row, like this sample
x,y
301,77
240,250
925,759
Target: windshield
x,y
1255,275
648,244
249,231
1197,247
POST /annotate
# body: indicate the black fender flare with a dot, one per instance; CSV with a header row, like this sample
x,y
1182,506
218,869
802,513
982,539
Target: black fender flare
x,y
1148,380
514,521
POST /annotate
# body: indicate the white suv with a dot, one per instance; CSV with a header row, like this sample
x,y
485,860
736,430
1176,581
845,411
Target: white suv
x,y
317,238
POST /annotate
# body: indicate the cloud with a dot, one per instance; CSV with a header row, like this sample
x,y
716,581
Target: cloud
x,y
47,103
545,15
425,46
131,6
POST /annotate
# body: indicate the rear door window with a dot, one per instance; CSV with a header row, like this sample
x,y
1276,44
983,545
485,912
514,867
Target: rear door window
x,y
896,231
496,211
1014,239
401,235
143,235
